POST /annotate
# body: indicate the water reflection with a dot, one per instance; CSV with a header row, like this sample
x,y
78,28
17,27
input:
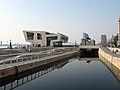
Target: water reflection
x,y
15,81
88,61
70,74
114,70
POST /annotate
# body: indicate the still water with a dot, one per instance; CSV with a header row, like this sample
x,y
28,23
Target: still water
x,y
72,74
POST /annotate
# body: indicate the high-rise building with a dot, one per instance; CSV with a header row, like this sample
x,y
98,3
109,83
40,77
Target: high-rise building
x,y
114,40
86,40
86,36
103,40
118,43
119,24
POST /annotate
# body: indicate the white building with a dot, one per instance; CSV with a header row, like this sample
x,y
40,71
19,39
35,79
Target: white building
x,y
43,38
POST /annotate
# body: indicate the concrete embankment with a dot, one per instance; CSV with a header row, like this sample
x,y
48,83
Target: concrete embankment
x,y
24,67
110,57
114,70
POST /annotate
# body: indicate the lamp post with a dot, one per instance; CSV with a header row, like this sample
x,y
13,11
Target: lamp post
x,y
10,44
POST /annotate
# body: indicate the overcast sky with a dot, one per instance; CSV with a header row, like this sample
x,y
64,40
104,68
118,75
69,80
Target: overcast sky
x,y
70,17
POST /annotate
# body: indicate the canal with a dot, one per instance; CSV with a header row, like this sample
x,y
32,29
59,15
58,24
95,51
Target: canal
x,y
72,74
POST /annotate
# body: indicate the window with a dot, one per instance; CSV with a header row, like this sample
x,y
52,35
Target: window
x,y
30,36
47,33
39,45
51,38
39,37
64,38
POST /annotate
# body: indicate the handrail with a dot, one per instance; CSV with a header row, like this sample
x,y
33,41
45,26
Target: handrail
x,y
32,57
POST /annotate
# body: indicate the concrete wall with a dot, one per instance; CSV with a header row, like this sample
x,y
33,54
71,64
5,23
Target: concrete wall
x,y
114,50
112,58
8,71
114,70
24,67
104,53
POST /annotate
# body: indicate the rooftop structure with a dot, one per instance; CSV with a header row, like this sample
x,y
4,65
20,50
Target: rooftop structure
x,y
43,38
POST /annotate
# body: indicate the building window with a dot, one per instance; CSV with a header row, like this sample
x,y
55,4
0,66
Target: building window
x,y
39,45
47,33
51,38
30,36
39,37
64,38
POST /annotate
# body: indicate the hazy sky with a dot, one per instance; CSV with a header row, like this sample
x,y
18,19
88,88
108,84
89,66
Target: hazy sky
x,y
70,17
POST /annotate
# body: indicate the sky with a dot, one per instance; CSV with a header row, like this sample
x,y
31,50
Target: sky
x,y
70,17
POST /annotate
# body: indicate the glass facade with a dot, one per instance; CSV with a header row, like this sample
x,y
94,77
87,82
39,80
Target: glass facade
x,y
64,38
39,36
47,33
86,36
103,40
42,38
51,38
30,35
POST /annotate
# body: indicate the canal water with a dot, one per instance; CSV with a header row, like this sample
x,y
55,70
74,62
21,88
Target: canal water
x,y
73,74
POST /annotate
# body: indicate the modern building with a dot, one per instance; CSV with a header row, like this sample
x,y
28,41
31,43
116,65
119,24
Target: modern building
x,y
43,38
118,43
86,36
114,40
92,42
86,40
103,40
83,41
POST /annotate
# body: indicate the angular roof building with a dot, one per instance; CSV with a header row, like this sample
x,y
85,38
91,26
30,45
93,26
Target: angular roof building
x,y
43,38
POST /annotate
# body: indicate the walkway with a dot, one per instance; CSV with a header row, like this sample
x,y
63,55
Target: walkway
x,y
33,57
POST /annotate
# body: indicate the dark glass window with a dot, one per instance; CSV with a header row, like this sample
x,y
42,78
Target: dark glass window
x,y
64,38
30,36
47,33
51,38
39,37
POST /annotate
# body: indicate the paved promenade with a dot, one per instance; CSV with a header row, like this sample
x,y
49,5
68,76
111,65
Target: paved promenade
x,y
111,57
29,57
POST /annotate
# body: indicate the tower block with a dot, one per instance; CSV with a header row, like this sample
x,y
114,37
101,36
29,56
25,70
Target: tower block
x,y
118,43
119,25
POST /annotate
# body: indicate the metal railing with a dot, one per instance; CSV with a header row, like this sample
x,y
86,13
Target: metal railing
x,y
33,57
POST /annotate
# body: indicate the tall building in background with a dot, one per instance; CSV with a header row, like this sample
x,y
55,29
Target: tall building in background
x,y
86,36
114,40
119,24
118,32
86,40
103,40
